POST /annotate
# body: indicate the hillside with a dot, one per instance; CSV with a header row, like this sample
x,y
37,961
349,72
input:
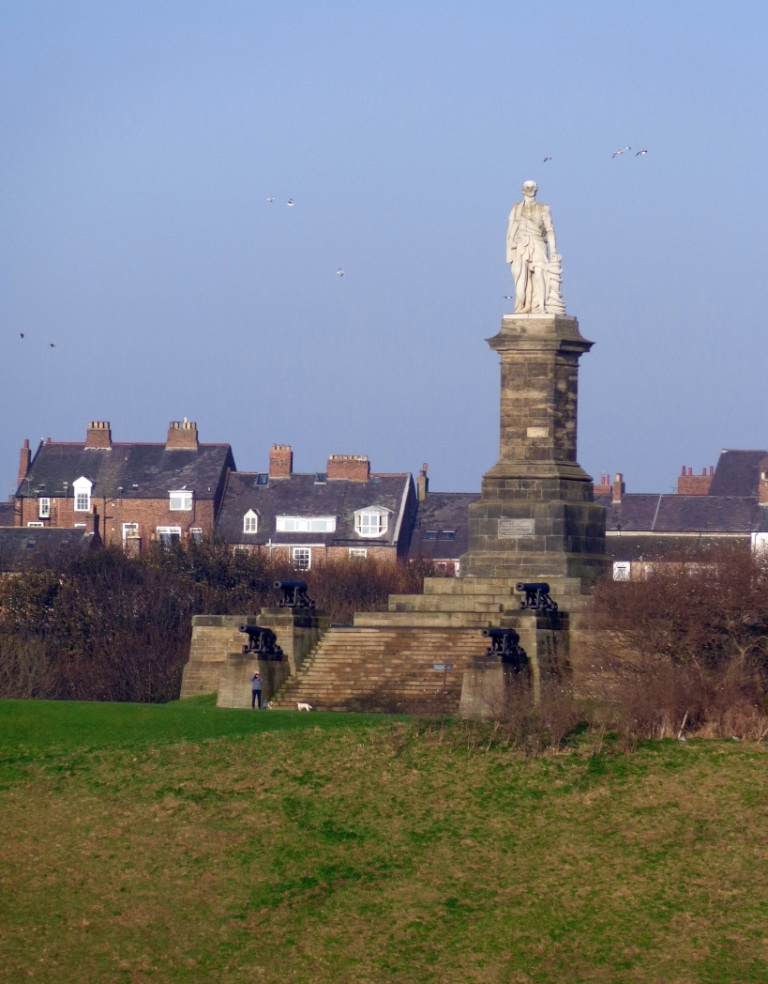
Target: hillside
x,y
186,843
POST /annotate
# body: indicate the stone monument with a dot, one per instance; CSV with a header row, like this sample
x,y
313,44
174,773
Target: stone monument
x,y
536,519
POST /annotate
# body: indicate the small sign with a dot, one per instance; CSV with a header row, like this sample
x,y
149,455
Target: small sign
x,y
510,529
442,666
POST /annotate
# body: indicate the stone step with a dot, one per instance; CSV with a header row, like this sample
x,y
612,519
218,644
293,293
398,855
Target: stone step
x,y
365,668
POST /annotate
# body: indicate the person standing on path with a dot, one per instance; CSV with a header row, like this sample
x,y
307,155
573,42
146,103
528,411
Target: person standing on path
x,y
256,690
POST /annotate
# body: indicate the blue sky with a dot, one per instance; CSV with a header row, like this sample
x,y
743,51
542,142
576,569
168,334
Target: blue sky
x,y
142,139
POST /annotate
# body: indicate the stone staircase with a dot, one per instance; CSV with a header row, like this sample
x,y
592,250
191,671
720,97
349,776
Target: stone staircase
x,y
384,669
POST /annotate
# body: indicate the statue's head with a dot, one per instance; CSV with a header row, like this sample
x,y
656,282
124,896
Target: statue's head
x,y
530,188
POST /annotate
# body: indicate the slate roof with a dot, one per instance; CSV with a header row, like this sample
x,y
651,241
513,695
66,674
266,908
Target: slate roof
x,y
737,473
439,515
673,513
19,545
302,495
143,471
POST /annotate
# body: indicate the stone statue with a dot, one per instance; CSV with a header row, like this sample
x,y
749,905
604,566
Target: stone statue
x,y
532,251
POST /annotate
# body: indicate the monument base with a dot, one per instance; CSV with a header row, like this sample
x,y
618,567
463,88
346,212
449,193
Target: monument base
x,y
536,518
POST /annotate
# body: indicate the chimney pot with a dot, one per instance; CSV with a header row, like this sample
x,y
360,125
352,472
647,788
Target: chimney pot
x,y
99,435
182,435
281,461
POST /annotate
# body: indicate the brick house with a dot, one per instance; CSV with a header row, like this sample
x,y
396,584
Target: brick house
x,y
142,492
725,504
345,511
441,531
20,545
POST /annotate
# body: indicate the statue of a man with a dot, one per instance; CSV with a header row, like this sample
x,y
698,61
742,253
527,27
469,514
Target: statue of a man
x,y
532,251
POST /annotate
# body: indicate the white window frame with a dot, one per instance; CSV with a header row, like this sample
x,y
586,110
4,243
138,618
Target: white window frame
x,y
251,522
301,558
168,532
81,489
373,521
196,534
130,531
359,553
44,507
305,524
180,500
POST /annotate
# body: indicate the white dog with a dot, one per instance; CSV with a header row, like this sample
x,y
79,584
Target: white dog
x,y
302,705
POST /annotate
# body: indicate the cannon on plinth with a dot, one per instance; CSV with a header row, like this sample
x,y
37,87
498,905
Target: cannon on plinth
x,y
262,642
537,596
294,595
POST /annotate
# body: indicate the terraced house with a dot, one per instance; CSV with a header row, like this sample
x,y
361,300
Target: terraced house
x,y
345,511
141,492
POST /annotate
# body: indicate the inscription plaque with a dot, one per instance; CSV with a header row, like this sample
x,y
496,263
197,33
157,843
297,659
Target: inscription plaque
x,y
511,529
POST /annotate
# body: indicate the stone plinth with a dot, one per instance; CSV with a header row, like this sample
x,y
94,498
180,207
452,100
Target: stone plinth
x,y
218,665
536,517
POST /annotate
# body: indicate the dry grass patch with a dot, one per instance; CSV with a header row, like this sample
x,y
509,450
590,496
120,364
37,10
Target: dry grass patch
x,y
387,855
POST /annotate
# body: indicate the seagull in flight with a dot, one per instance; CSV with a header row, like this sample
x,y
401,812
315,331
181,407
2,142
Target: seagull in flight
x,y
547,159
339,272
641,153
21,334
270,199
622,150
51,345
289,203
508,297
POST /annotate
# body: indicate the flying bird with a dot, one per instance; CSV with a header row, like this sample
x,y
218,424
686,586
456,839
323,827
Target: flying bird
x,y
21,334
51,345
270,199
508,297
289,202
547,159
339,272
622,150
641,153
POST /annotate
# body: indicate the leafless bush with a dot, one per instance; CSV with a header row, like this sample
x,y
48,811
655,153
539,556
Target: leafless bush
x,y
685,650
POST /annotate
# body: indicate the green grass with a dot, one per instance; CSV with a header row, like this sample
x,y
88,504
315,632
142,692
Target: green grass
x,y
184,843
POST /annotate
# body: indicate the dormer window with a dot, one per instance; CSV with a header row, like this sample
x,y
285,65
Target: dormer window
x,y
181,501
250,522
82,491
305,524
372,521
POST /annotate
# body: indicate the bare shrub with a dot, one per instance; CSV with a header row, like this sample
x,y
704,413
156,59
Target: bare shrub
x,y
685,650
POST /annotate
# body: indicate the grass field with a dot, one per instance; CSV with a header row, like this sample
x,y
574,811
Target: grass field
x,y
186,843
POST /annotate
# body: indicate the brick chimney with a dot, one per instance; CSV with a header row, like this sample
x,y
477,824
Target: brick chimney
x,y
604,486
25,460
422,484
352,467
690,484
617,489
762,483
99,436
281,461
182,434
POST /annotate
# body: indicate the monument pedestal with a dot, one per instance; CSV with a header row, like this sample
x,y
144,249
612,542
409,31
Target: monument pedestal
x,y
536,518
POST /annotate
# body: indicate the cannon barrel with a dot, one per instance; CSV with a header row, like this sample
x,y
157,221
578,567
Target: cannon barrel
x,y
500,633
541,586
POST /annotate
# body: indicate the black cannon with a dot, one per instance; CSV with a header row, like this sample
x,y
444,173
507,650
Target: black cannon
x,y
263,642
294,594
506,643
537,596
